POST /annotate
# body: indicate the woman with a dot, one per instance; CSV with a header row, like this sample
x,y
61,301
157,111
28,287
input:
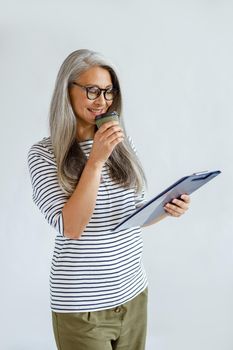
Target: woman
x,y
85,181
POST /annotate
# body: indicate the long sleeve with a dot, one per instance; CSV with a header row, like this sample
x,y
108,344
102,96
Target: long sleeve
x,y
47,193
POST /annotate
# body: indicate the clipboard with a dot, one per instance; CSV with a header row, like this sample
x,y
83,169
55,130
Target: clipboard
x,y
153,209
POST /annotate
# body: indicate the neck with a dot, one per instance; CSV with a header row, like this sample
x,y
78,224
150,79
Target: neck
x,y
86,133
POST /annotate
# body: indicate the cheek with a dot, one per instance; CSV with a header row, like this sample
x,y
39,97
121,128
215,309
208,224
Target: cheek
x,y
80,105
109,103
77,101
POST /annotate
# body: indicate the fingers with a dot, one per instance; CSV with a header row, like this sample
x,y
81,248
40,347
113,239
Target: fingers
x,y
116,141
117,136
178,207
107,125
173,210
105,140
113,131
110,132
185,198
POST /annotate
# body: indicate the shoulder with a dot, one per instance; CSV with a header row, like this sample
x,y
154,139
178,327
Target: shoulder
x,y
43,150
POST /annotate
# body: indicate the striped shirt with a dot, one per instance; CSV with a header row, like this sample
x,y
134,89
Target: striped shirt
x,y
102,269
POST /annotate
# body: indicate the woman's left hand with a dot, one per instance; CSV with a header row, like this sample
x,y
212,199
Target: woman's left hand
x,y
178,207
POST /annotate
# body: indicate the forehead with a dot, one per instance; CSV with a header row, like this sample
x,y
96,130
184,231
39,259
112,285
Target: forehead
x,y
96,76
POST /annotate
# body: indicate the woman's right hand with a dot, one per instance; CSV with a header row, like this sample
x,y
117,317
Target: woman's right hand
x,y
105,140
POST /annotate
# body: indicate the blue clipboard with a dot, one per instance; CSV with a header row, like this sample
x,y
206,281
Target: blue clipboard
x,y
153,209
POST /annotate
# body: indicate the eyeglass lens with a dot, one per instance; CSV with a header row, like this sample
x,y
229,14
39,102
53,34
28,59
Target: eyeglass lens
x,y
94,92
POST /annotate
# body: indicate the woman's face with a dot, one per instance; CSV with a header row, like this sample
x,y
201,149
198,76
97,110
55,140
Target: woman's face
x,y
86,110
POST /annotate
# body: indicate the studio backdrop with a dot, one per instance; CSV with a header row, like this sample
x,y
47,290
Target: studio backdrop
x,y
174,59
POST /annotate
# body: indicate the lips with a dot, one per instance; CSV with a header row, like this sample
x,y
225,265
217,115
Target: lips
x,y
96,111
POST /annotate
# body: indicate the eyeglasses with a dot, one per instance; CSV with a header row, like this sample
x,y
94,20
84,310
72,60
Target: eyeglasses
x,y
93,92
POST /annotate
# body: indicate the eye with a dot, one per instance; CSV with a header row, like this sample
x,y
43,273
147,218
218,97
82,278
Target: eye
x,y
93,89
111,93
92,92
110,90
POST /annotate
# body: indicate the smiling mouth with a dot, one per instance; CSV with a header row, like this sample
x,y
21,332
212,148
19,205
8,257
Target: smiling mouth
x,y
96,111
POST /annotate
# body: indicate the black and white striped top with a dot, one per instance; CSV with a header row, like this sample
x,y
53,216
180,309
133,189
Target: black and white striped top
x,y
102,269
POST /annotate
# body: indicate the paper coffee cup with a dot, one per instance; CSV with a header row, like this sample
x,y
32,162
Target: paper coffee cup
x,y
106,117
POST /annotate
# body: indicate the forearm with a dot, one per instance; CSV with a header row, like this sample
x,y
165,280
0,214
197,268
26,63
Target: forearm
x,y
79,208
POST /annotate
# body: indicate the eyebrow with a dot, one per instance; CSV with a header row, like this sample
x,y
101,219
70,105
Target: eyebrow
x,y
95,85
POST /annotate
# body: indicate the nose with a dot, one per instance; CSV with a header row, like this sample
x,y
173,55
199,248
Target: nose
x,y
100,101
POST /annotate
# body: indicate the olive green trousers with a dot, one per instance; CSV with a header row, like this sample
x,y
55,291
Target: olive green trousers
x,y
121,328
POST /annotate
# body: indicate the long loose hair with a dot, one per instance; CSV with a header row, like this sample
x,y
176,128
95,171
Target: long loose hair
x,y
123,163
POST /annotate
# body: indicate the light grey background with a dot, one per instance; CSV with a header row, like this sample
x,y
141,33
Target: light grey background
x,y
175,62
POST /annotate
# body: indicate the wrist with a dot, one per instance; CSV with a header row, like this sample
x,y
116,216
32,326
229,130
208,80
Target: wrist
x,y
94,165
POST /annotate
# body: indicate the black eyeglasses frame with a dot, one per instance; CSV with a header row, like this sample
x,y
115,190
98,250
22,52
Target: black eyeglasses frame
x,y
114,91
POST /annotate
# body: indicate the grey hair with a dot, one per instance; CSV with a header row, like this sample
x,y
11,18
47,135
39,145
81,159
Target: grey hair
x,y
123,163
